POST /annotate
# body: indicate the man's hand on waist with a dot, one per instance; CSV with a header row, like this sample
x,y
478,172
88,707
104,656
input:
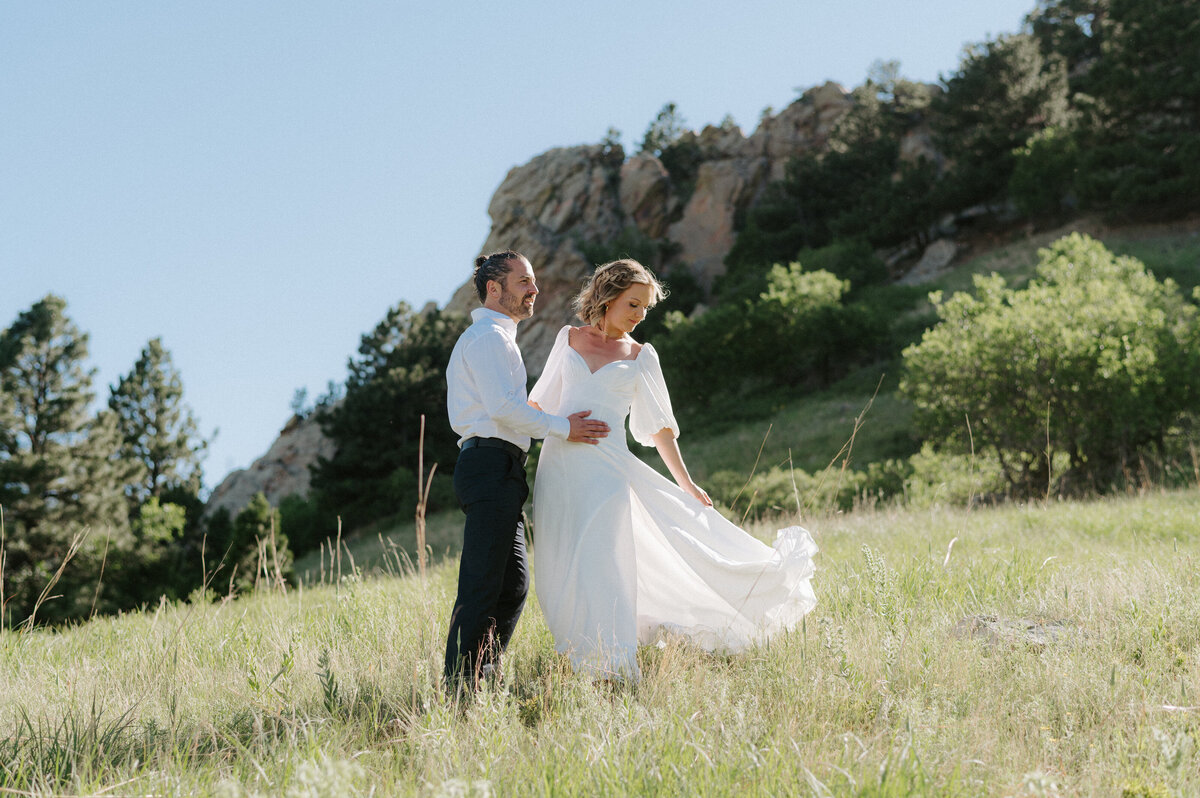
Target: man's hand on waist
x,y
585,430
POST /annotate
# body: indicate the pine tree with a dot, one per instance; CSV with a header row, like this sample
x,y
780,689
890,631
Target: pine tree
x,y
1141,136
60,473
1004,92
1071,29
157,427
398,376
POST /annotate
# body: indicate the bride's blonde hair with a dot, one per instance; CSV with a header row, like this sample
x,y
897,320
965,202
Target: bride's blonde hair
x,y
607,283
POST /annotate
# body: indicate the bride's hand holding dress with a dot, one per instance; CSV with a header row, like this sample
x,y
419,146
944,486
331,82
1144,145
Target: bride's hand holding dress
x,y
668,450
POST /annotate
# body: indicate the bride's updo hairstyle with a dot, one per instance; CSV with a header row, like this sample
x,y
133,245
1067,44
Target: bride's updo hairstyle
x,y
607,283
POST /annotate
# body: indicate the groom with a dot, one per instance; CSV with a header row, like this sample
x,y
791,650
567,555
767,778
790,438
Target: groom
x,y
488,408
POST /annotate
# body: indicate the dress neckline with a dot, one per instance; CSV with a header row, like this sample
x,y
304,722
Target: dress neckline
x,y
583,360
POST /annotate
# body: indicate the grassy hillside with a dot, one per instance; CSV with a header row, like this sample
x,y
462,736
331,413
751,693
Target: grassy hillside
x,y
1038,650
1021,650
814,432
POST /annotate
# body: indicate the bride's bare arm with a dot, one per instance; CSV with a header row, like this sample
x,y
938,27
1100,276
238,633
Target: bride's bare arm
x,y
668,450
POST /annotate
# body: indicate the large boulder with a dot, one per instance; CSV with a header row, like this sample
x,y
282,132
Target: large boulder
x,y
935,261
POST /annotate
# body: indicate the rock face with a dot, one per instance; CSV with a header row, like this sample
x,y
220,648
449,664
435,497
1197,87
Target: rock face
x,y
705,234
281,472
644,192
568,197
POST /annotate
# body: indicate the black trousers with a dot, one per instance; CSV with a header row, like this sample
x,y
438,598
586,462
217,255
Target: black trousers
x,y
493,577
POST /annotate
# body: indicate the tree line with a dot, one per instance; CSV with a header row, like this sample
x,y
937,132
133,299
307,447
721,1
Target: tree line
x,y
1090,107
100,510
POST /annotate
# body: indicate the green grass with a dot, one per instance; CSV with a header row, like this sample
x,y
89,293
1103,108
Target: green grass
x,y
332,689
812,431
1176,257
381,548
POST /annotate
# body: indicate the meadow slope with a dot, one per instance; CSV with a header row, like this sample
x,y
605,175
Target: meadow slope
x,y
1023,650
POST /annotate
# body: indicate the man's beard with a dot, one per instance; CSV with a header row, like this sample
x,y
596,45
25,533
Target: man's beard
x,y
514,305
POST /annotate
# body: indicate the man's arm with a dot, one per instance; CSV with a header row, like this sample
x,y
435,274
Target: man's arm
x,y
506,403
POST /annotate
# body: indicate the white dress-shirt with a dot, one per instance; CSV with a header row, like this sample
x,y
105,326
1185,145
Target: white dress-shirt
x,y
486,379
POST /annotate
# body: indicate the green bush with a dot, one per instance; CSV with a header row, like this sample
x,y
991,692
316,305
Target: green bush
x,y
684,293
796,333
951,478
260,552
853,260
1043,172
403,492
307,521
1095,359
885,480
147,569
785,490
802,330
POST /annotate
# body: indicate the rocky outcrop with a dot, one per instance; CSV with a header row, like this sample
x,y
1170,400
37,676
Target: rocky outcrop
x,y
551,207
644,192
545,209
706,232
933,263
282,471
803,126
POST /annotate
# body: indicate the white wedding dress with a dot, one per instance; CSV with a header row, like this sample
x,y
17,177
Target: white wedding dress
x,y
623,555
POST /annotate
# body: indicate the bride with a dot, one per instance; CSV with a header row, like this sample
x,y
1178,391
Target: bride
x,y
622,554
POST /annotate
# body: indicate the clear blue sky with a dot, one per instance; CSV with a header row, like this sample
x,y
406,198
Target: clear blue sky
x,y
258,182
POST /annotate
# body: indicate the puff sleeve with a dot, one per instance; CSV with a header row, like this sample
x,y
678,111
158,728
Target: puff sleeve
x,y
547,393
651,408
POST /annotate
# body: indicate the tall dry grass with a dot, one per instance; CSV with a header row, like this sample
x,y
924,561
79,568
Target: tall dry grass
x,y
1037,650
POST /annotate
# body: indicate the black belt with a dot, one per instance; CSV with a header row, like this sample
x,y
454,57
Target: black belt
x,y
497,443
